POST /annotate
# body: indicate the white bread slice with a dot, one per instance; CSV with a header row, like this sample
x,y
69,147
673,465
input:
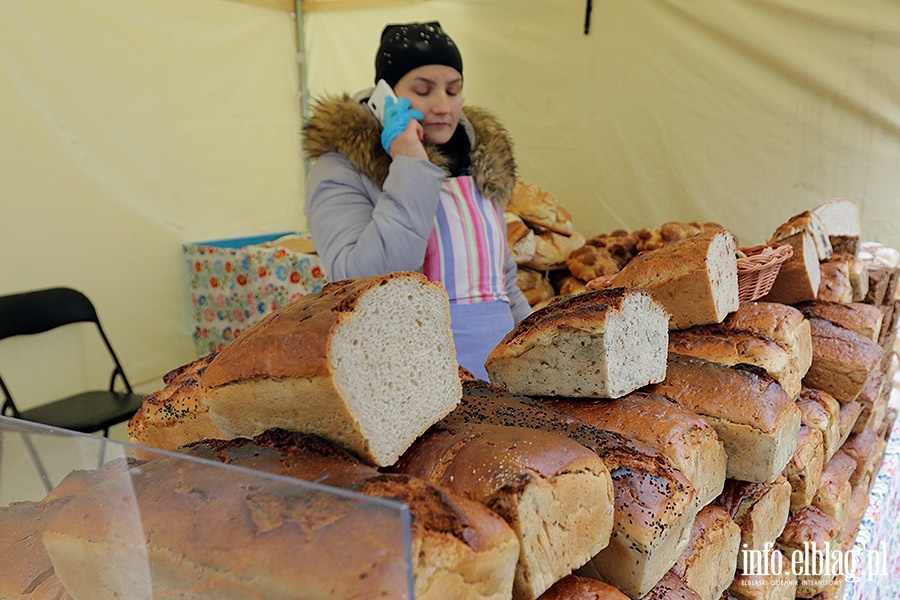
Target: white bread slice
x,y
601,344
367,363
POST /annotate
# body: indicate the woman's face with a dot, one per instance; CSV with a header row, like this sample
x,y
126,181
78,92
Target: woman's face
x,y
436,90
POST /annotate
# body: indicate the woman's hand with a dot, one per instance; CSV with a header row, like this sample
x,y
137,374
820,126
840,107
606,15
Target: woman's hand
x,y
403,133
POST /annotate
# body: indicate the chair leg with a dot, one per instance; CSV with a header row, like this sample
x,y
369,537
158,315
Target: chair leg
x,y
42,472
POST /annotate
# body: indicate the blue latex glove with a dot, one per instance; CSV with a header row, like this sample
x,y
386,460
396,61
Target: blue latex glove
x,y
397,116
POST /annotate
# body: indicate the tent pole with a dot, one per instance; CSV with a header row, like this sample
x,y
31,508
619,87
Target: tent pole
x,y
301,64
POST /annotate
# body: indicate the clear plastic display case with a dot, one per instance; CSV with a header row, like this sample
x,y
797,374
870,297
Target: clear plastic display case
x,y
99,519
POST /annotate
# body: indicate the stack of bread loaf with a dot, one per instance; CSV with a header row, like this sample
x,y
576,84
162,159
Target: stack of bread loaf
x,y
648,437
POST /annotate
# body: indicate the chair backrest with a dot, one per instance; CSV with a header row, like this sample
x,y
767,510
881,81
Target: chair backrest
x,y
38,311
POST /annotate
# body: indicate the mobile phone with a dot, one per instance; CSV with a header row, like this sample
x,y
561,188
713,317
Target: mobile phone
x,y
376,101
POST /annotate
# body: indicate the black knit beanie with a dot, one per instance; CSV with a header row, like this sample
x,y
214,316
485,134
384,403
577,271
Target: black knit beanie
x,y
412,45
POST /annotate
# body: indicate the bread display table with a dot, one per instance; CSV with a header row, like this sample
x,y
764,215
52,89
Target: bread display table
x,y
876,553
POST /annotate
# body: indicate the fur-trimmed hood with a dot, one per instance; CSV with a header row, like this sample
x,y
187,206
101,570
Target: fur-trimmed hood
x,y
342,124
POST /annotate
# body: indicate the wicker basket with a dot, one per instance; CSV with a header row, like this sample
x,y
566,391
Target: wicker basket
x,y
757,272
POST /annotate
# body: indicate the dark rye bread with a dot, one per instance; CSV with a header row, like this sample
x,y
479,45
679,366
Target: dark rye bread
x,y
459,547
368,363
555,494
685,438
654,503
753,416
601,344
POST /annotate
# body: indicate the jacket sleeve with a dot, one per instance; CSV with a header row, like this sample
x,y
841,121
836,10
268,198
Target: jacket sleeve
x,y
360,230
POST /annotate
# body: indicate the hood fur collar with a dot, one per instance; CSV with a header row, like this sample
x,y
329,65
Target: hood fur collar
x,y
341,124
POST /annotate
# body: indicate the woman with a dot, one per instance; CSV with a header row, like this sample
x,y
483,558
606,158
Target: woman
x,y
425,193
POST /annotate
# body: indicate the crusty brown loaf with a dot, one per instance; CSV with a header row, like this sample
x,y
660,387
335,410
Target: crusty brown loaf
x,y
798,277
539,208
598,344
459,547
752,415
805,542
833,495
671,587
834,282
809,223
804,471
218,533
843,360
368,363
778,321
850,412
732,347
575,587
25,570
176,414
866,449
551,249
864,319
708,563
766,583
821,411
554,493
760,510
589,262
695,279
654,503
685,438
520,238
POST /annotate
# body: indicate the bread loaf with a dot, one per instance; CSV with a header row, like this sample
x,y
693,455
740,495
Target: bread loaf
x,y
807,541
798,277
808,223
833,495
708,563
866,449
459,548
857,274
25,570
695,279
367,363
539,208
883,263
554,493
601,344
671,587
753,416
780,322
841,220
873,402
843,360
760,510
551,249
859,503
804,471
764,581
834,283
176,414
734,347
590,261
574,587
850,412
654,503
821,411
534,285
520,238
686,439
864,319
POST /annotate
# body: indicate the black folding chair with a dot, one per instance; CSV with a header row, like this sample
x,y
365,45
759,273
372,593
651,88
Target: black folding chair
x,y
39,311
